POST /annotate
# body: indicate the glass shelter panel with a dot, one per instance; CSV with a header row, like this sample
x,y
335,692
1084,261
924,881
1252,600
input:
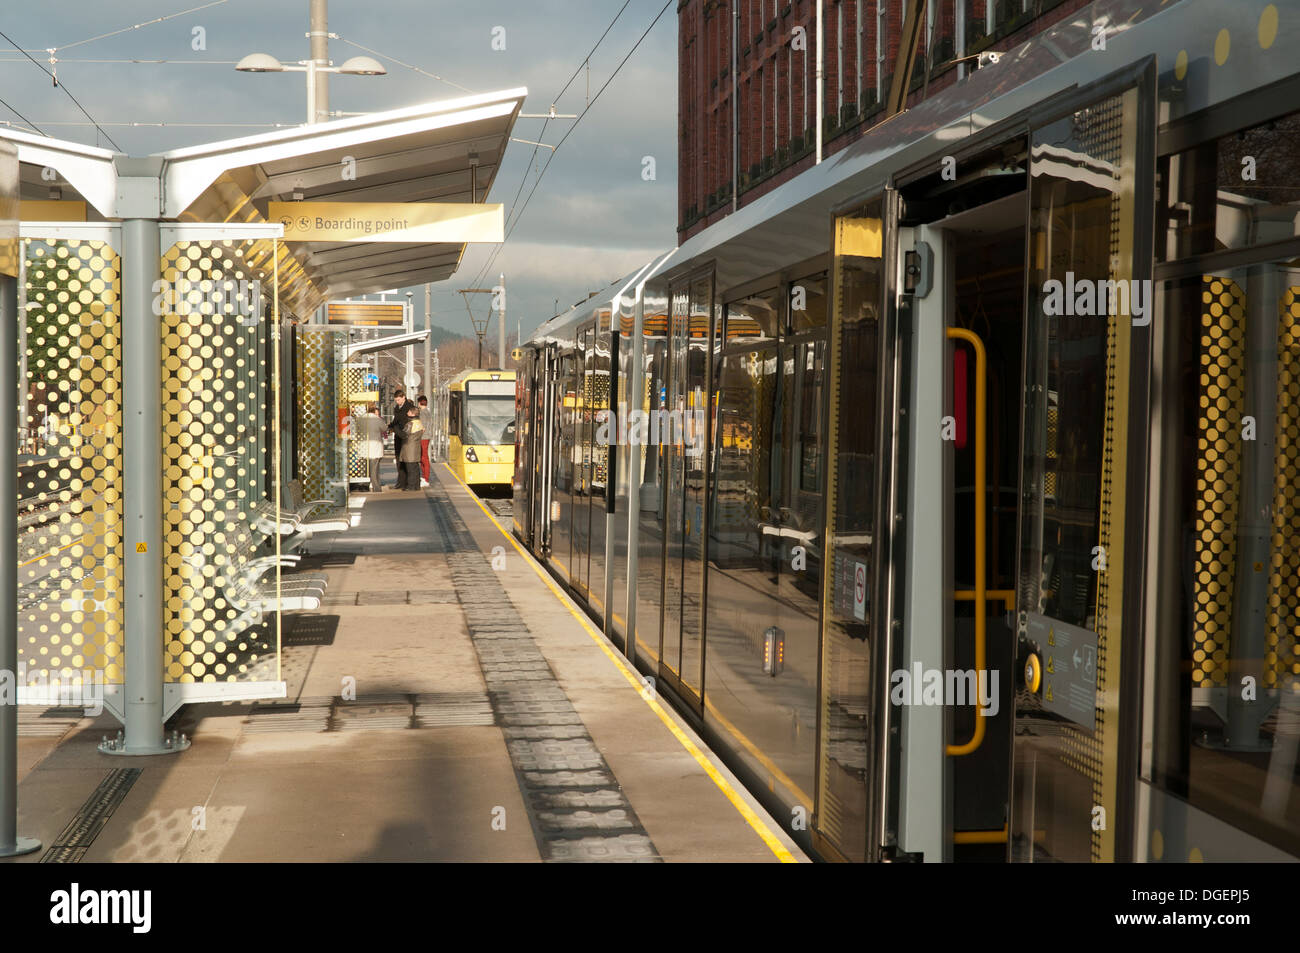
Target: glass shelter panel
x,y
70,463
219,398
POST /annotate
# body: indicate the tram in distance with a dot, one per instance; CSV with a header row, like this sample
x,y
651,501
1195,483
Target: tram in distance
x,y
478,416
948,562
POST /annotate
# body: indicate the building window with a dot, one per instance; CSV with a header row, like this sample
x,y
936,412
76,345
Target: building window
x,y
860,84
776,101
789,95
804,57
839,60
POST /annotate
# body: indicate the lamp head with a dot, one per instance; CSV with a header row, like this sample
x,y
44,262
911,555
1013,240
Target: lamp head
x,y
259,63
362,66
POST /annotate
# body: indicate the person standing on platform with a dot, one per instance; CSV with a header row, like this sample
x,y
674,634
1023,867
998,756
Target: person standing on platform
x,y
398,426
426,422
370,430
409,478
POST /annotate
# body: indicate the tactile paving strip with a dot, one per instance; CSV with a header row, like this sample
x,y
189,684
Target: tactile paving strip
x,y
577,810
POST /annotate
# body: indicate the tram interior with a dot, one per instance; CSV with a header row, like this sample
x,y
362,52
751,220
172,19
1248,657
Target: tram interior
x,y
983,217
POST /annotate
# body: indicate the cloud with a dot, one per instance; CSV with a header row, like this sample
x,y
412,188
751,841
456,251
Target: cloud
x,y
591,219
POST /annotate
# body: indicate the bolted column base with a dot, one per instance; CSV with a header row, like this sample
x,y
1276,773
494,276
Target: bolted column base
x,y
173,743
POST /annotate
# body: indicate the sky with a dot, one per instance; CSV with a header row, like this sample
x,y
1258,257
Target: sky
x,y
592,219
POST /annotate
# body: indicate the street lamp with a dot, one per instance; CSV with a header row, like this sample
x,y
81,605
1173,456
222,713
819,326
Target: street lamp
x,y
265,63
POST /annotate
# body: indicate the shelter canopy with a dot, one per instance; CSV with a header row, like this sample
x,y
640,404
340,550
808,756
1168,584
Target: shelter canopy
x,y
448,151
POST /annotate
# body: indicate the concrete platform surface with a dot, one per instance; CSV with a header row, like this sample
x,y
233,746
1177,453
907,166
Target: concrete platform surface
x,y
439,709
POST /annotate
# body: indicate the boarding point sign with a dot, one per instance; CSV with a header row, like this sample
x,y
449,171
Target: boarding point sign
x,y
432,222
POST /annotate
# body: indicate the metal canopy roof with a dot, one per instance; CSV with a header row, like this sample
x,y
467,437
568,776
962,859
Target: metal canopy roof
x,y
446,151
386,343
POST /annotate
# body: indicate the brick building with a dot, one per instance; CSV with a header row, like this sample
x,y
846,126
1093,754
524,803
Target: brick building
x,y
767,79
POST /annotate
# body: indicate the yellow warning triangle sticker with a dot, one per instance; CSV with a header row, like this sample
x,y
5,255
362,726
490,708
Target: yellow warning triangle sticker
x,y
142,547
1049,692
1051,665
1051,636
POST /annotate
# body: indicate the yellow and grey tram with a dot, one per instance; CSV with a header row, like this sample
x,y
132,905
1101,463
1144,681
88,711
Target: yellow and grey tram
x,y
953,490
479,407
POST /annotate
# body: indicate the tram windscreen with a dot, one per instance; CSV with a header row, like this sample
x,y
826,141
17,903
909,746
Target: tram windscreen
x,y
489,413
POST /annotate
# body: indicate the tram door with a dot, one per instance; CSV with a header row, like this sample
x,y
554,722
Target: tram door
x,y
584,470
1083,474
683,438
853,717
541,382
563,460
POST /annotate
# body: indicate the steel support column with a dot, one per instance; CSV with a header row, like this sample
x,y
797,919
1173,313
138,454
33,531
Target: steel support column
x,y
11,844
142,700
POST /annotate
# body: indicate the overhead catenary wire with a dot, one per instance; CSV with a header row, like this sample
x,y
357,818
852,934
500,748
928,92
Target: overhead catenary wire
x,y
80,59
126,29
394,59
63,87
27,122
532,158
537,182
136,123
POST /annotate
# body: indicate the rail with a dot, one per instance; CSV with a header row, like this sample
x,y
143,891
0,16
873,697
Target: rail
x,y
980,593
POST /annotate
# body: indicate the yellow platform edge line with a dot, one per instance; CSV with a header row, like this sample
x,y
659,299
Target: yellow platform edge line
x,y
755,822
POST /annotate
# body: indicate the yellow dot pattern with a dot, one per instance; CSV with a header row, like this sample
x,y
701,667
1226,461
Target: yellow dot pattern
x,y
70,511
319,395
215,396
1282,658
1218,481
352,380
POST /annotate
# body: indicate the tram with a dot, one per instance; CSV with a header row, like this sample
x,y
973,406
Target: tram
x,y
953,489
479,421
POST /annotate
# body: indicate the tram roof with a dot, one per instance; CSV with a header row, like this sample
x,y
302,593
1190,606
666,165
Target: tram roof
x,y
795,216
415,154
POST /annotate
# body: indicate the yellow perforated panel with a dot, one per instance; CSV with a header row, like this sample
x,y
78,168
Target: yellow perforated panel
x,y
595,398
1219,475
318,389
352,380
216,395
69,476
1282,662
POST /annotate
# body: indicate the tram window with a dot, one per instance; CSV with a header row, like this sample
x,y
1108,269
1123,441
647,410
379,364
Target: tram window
x,y
810,360
755,318
1229,523
1232,192
453,415
489,413
808,303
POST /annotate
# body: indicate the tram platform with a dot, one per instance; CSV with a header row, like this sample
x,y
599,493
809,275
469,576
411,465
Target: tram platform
x,y
446,703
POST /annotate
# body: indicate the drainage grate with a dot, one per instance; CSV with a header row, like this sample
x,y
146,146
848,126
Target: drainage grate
x,y
71,845
577,810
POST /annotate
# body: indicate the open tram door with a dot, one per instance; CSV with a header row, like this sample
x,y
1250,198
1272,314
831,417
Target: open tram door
x,y
1045,298
996,455
1084,441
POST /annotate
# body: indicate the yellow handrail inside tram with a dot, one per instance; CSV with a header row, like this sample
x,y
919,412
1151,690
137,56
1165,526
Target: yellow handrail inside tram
x,y
980,594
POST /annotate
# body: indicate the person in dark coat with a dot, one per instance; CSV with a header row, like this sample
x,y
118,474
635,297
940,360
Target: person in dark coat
x,y
397,425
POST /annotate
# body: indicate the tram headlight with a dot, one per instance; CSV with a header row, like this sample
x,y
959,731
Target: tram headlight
x,y
470,455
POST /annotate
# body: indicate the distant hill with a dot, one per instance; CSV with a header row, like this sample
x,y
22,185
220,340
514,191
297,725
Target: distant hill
x,y
440,336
